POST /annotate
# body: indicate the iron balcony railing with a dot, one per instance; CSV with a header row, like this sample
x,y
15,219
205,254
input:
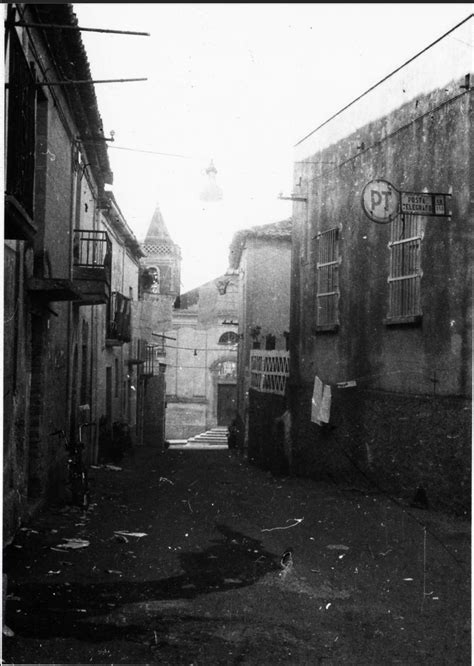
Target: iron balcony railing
x,y
93,252
269,371
149,365
154,363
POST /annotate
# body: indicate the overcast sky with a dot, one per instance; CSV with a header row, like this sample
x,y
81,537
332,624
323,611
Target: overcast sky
x,y
239,84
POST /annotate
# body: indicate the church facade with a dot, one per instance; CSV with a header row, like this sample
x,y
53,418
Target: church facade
x,y
201,358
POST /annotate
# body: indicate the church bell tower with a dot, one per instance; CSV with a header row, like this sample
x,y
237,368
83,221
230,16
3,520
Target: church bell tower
x,y
160,272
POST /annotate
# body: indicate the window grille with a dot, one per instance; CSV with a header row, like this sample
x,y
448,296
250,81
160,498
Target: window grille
x,y
327,278
269,371
405,268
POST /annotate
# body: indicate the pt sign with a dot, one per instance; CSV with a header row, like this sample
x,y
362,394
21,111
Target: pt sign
x,y
380,201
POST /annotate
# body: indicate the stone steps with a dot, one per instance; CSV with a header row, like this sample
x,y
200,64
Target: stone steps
x,y
214,437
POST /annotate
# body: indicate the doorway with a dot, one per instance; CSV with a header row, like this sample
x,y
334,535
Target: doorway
x,y
226,403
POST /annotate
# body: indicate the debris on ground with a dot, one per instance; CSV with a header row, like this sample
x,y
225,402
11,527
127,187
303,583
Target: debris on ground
x,y
72,544
297,522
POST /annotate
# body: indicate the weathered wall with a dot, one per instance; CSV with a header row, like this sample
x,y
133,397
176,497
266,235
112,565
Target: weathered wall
x,y
420,372
154,427
16,388
265,302
36,343
52,347
185,419
396,442
265,438
432,151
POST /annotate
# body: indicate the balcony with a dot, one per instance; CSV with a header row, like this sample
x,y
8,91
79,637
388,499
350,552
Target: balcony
x,y
153,365
92,266
119,320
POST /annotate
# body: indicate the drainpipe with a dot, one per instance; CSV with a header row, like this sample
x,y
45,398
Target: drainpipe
x,y
93,355
72,224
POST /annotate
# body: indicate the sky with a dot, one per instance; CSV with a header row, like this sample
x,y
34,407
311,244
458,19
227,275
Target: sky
x,y
241,84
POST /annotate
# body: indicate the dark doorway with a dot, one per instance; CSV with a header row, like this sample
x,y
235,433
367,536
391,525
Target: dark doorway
x,y
226,403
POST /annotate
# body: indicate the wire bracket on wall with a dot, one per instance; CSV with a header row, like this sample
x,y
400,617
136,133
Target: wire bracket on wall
x,y
292,197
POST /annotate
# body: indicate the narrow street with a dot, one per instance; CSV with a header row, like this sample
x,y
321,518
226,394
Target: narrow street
x,y
197,577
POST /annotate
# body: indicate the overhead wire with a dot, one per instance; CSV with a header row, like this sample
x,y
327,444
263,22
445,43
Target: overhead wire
x,y
385,78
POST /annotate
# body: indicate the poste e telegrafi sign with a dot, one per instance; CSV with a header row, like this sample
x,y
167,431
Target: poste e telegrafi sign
x,y
382,202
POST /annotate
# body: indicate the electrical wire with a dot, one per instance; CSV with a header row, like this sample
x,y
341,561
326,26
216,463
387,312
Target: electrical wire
x,y
229,348
151,152
389,136
386,78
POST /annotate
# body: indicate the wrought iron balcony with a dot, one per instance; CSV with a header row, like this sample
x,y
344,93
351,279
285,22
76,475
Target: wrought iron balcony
x,y
92,265
149,366
119,320
154,363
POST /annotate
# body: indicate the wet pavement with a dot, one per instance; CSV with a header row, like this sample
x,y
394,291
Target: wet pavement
x,y
178,561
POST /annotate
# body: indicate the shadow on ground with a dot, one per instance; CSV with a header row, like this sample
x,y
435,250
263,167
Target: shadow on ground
x,y
61,610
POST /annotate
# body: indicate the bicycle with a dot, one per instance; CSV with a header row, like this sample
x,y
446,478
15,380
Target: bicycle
x,y
78,477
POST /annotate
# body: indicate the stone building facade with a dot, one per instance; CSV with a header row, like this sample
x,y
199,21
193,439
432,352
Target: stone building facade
x,y
262,257
381,312
201,356
68,253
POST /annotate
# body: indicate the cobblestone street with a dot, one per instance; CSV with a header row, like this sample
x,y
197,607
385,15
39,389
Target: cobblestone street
x,y
196,577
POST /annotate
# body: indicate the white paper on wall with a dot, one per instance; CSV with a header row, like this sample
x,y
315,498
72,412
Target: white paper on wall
x,y
320,402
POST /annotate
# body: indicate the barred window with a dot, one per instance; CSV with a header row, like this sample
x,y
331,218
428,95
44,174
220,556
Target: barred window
x,y
327,279
404,280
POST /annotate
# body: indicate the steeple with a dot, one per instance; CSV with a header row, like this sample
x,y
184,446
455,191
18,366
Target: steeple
x,y
157,231
161,267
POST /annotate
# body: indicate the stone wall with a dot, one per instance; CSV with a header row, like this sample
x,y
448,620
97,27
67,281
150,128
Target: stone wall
x,y
407,421
265,438
390,442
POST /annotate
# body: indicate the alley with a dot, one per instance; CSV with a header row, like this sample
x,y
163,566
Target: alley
x,y
179,562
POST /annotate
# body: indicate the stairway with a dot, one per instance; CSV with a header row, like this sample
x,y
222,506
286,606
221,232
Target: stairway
x,y
216,437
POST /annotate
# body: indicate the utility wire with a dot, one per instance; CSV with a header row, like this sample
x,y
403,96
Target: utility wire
x,y
385,78
152,152
224,347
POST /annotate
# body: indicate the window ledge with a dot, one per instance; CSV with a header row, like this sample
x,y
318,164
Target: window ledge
x,y
406,319
326,328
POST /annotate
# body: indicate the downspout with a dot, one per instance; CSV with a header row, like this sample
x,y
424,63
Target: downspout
x,y
74,196
92,384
